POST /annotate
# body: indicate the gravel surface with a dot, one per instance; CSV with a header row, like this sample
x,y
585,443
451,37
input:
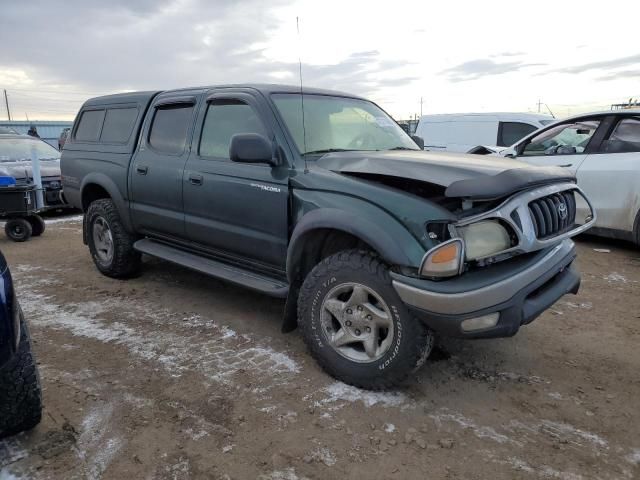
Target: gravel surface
x,y
175,375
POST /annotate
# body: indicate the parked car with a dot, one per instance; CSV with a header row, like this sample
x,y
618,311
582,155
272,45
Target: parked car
x,y
63,137
374,243
15,161
461,132
20,392
603,151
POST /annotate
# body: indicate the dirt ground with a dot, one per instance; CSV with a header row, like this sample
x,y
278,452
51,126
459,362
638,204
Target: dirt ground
x,y
176,375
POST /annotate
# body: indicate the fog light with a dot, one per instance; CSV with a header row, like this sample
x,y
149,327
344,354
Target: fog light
x,y
480,323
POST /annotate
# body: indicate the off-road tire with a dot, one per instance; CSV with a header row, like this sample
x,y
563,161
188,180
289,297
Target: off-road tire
x,y
412,340
18,229
37,225
20,392
125,261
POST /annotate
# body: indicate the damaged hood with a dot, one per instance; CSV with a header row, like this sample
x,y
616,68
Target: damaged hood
x,y
462,175
22,169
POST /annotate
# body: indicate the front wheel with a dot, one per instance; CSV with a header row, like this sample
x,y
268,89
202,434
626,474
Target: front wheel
x,y
20,392
355,324
110,244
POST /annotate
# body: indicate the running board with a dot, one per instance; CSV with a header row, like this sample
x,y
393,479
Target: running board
x,y
223,271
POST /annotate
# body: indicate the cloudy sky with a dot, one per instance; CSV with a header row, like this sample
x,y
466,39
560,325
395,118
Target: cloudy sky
x,y
458,56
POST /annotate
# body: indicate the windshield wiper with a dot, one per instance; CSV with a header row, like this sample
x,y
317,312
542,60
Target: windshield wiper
x,y
403,148
329,150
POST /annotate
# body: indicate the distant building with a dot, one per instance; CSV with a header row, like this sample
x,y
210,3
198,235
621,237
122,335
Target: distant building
x,y
48,130
623,106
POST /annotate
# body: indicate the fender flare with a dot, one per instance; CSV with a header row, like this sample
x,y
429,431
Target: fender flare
x,y
102,180
388,247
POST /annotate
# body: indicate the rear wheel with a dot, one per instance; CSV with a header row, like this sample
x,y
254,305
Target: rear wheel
x,y
18,229
355,324
110,244
20,392
37,225
636,229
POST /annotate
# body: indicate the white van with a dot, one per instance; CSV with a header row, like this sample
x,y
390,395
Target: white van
x,y
460,132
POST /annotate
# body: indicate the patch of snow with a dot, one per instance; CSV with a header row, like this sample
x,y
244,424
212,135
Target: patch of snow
x,y
549,472
478,430
324,455
95,451
286,474
7,475
615,277
219,354
389,427
339,391
634,457
557,429
68,219
555,395
227,448
11,451
520,465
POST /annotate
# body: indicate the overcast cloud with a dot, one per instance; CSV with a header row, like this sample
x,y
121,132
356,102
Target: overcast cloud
x,y
456,55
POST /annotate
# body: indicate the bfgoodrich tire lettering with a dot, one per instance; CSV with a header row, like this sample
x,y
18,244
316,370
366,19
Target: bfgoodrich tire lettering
x,y
111,246
20,392
356,361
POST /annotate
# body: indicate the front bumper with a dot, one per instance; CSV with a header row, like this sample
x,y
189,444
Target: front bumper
x,y
519,290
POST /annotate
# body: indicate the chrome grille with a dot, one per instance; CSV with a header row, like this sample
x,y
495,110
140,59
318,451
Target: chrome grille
x,y
554,214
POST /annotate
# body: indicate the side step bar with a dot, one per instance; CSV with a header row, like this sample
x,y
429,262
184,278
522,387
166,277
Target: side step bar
x,y
223,271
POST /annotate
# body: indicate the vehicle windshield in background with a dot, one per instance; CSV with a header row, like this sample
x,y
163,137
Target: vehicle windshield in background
x,y
16,149
339,124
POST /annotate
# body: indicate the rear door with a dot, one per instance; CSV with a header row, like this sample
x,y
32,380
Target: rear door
x,y
610,176
155,175
238,210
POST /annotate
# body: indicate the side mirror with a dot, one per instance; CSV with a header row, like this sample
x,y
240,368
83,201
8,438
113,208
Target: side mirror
x,y
251,148
419,141
509,153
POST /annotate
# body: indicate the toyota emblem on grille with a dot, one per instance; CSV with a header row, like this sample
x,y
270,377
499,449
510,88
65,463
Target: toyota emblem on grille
x,y
562,210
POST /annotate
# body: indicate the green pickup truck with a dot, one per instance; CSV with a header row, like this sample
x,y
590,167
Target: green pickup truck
x,y
321,198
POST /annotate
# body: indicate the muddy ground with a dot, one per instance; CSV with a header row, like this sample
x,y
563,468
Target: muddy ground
x,y
175,375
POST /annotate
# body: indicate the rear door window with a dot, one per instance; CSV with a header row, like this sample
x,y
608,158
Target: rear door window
x,y
510,132
89,126
625,137
170,127
118,124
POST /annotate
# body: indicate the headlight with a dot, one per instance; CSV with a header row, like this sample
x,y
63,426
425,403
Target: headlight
x,y
444,260
484,238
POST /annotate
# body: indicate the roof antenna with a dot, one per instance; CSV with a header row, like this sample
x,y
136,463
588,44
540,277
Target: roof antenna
x,y
304,130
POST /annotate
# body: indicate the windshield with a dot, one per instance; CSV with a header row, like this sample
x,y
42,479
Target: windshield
x,y
16,149
339,124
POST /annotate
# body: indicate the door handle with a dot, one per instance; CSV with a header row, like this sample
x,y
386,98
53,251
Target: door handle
x,y
142,169
195,179
566,165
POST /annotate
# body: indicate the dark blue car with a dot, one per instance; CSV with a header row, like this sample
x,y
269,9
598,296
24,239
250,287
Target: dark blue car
x,y
20,393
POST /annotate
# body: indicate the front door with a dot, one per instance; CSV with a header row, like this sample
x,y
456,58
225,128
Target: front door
x,y
565,145
611,175
238,210
156,171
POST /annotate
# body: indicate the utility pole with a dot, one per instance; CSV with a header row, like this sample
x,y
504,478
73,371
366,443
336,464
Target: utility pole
x,y
420,107
6,102
539,105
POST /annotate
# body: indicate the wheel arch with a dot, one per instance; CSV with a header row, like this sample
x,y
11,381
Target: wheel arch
x,y
323,223
96,186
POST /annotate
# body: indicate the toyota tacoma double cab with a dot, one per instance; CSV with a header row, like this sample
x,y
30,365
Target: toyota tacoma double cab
x,y
20,392
321,198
